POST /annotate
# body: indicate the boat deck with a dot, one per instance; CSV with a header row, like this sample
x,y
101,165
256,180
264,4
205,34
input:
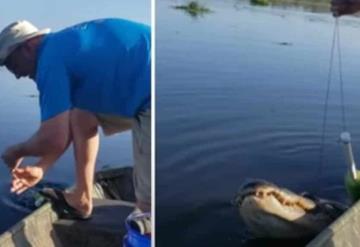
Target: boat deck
x,y
113,202
106,228
345,231
42,228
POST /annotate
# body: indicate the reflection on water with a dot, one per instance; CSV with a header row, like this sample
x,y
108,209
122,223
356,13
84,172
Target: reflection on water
x,y
240,94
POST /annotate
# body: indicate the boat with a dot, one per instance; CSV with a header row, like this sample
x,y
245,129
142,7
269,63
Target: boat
x,y
113,201
344,231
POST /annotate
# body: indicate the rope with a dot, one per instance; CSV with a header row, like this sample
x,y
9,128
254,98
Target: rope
x,y
342,101
336,37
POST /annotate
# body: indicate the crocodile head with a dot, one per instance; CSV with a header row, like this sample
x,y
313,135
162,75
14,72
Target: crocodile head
x,y
273,212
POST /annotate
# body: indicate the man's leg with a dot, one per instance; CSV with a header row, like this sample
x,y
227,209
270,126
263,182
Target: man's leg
x,y
142,160
84,128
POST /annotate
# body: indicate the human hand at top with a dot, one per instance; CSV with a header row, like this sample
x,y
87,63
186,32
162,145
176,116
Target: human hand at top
x,y
344,7
11,157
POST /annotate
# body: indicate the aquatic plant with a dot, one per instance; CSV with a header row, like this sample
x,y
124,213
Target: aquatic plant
x,y
193,8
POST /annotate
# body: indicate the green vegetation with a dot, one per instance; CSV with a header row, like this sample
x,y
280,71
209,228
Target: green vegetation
x,y
193,8
260,2
353,186
320,6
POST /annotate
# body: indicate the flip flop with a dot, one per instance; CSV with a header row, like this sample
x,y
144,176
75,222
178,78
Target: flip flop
x,y
60,205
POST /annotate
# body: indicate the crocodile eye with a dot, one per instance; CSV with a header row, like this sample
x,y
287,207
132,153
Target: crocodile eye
x,y
261,193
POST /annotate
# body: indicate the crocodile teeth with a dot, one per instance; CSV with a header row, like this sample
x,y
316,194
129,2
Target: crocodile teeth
x,y
270,211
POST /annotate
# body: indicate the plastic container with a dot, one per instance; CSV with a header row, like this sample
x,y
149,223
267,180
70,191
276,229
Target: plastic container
x,y
134,238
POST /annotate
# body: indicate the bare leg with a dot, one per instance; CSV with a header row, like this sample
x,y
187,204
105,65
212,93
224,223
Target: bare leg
x,y
84,128
143,206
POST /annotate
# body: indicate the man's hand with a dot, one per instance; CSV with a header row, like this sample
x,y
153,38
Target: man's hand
x,y
344,7
11,157
25,178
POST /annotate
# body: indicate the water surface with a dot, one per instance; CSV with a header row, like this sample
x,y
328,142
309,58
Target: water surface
x,y
240,94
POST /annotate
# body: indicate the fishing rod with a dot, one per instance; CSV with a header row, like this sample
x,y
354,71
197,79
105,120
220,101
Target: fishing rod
x,y
352,177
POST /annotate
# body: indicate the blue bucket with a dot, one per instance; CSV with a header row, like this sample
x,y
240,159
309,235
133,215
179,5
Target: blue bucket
x,y
134,238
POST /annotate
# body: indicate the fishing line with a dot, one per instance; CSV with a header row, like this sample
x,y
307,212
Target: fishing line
x,y
342,98
335,45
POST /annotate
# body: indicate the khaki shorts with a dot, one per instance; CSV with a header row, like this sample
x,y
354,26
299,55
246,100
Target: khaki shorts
x,y
141,136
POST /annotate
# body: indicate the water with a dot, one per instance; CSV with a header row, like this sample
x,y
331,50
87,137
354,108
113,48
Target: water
x,y
19,118
240,94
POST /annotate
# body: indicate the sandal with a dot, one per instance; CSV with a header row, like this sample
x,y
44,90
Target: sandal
x,y
61,206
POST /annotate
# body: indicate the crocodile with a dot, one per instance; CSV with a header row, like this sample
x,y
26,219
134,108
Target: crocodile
x,y
270,211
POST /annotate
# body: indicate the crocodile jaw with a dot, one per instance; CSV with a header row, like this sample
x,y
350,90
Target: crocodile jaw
x,y
270,211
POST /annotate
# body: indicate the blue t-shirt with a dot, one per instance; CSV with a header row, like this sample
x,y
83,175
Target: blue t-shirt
x,y
103,66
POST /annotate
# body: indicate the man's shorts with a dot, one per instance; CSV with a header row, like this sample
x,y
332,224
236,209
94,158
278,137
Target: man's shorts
x,y
141,135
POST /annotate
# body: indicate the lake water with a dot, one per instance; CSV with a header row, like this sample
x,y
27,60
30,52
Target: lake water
x,y
19,119
240,94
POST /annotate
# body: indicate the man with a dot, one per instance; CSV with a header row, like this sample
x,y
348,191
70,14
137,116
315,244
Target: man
x,y
344,7
92,74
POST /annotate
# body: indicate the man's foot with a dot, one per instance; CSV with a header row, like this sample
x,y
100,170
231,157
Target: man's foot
x,y
81,203
66,209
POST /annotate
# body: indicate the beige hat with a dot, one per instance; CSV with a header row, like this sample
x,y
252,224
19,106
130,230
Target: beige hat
x,y
15,34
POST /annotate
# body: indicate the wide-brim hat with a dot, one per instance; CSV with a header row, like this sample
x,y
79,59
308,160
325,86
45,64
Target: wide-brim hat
x,y
15,34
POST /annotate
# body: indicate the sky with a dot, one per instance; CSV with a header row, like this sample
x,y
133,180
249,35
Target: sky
x,y
60,14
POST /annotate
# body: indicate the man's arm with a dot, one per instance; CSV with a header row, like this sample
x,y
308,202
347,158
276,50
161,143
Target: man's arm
x,y
48,143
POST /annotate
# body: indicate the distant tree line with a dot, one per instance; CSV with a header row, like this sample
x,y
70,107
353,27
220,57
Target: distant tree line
x,y
312,5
